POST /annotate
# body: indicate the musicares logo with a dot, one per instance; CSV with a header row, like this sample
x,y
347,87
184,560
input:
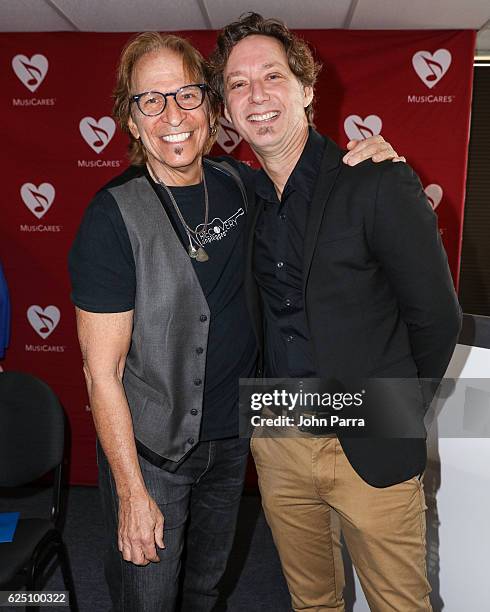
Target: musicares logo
x,y
359,129
44,321
30,71
228,138
38,199
434,194
431,67
97,134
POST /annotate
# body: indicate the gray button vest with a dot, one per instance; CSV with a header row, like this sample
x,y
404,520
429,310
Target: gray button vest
x,y
164,374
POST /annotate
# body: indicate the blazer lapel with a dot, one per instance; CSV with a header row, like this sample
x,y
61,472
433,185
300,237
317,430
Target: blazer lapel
x,y
329,169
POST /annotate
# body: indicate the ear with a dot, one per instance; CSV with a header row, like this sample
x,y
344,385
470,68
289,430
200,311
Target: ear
x,y
133,128
308,96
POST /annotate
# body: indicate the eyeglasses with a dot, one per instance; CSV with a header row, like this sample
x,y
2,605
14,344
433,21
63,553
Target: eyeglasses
x,y
189,97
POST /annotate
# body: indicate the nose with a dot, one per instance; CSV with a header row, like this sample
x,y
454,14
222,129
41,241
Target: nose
x,y
258,93
173,114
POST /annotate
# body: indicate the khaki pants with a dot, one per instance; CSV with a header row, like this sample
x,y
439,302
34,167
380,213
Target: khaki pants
x,y
307,487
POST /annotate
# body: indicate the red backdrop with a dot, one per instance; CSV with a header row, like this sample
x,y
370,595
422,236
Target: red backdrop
x,y
60,147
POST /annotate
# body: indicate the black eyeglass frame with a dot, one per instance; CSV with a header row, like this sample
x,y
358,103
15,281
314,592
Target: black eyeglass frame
x,y
202,86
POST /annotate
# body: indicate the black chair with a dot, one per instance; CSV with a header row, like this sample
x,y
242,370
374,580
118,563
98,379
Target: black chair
x,y
32,430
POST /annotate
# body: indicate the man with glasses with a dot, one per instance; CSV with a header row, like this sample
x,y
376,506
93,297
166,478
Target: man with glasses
x,y
157,275
165,336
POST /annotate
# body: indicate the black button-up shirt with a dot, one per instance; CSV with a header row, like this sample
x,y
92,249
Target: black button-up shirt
x,y
278,265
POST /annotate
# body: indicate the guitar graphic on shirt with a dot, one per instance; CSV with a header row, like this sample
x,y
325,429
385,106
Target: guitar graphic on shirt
x,y
217,227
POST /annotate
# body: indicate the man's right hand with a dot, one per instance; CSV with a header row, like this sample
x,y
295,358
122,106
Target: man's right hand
x,y
140,529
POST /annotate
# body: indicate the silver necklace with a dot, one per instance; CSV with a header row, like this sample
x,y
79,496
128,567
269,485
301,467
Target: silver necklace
x,y
199,254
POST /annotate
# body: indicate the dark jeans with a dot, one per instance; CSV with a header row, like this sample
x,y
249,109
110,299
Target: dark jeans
x,y
200,505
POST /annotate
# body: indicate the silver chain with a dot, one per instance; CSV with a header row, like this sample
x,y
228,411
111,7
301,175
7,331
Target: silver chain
x,y
199,254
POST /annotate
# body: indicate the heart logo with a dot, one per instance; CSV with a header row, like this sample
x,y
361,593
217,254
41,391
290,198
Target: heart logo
x,y
228,138
37,199
44,321
434,195
97,134
359,129
30,71
431,67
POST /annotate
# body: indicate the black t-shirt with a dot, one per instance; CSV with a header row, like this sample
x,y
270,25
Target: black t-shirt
x,y
103,278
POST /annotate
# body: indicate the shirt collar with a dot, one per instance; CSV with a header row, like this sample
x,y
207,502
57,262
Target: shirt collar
x,y
303,177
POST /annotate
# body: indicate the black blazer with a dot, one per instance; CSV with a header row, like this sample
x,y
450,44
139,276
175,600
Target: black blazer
x,y
378,294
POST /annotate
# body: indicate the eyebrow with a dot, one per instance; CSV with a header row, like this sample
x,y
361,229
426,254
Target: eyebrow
x,y
265,66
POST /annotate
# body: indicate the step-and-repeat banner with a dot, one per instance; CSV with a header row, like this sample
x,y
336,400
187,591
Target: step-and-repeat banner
x,y
60,145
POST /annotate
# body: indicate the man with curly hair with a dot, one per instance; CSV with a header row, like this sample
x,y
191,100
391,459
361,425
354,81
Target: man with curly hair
x,y
337,288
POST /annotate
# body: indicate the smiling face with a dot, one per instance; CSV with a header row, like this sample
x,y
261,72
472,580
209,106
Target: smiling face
x,y
174,140
265,101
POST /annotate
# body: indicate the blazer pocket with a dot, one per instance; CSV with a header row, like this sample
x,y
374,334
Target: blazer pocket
x,y
330,236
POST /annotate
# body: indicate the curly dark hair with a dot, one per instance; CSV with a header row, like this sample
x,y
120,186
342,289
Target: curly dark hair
x,y
300,56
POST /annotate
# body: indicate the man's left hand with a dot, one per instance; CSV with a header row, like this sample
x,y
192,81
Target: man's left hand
x,y
374,147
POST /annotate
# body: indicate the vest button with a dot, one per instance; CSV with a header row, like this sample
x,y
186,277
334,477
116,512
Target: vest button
x,y
197,382
199,350
193,412
190,440
203,318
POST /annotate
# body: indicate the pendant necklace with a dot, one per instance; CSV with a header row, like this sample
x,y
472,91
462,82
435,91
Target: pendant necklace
x,y
196,250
